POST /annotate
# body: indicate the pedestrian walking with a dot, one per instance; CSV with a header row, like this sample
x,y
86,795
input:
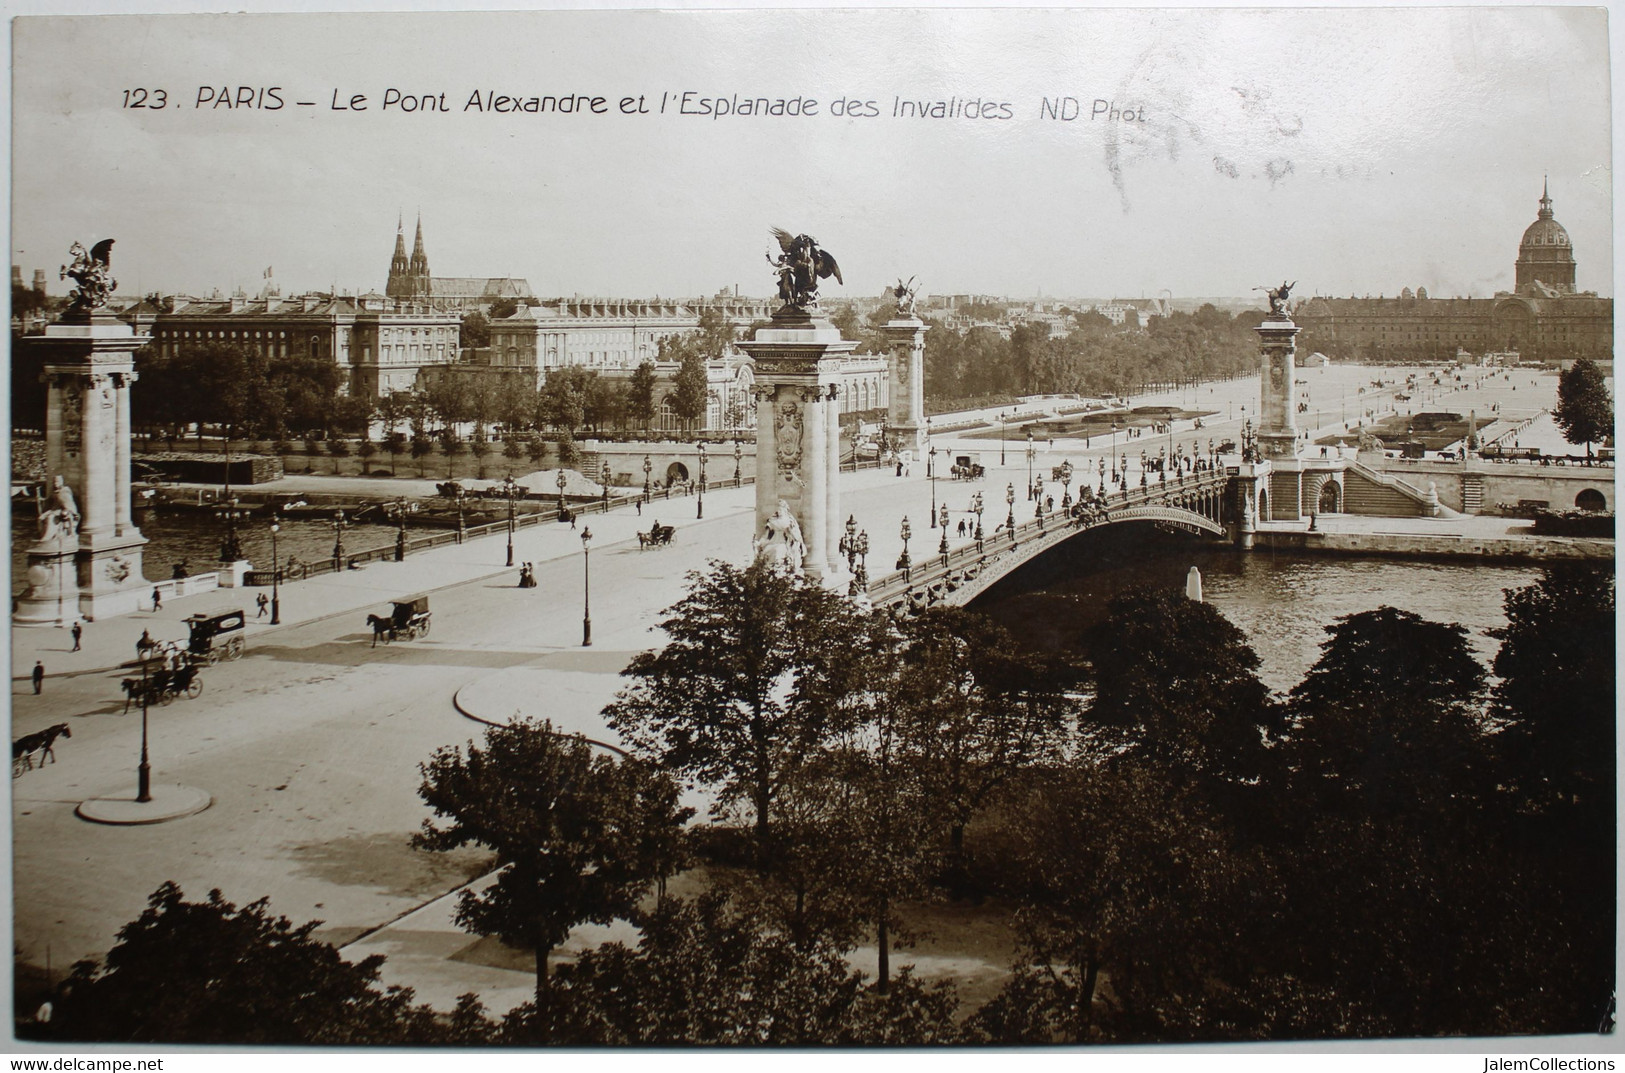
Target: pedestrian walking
x,y
262,601
157,598
39,676
78,632
639,503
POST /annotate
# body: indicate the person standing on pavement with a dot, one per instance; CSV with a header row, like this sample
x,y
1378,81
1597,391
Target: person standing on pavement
x,y
78,632
39,676
261,601
157,598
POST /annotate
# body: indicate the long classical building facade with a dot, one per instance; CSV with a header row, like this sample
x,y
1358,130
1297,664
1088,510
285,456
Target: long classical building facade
x,y
380,346
1545,319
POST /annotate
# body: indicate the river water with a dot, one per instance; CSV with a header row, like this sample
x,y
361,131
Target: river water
x,y
176,535
1282,602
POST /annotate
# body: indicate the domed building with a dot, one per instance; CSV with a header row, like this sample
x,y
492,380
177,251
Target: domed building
x,y
1544,318
1545,256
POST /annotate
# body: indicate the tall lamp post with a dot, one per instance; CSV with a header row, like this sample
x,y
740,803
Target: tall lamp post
x,y
338,540
860,573
586,587
739,454
1032,451
1004,430
1010,501
400,509
276,573
509,488
699,511
462,498
143,770
849,543
976,506
905,564
231,549
942,545
1114,452
931,473
561,483
648,467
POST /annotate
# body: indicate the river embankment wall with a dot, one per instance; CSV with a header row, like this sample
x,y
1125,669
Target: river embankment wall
x,y
1437,545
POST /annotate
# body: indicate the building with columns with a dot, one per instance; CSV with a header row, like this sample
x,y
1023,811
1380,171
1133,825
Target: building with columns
x,y
1545,318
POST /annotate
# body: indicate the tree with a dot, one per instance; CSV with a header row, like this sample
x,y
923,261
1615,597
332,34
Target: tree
x,y
475,331
712,971
640,395
724,701
209,972
1556,699
1180,681
580,836
973,712
1556,696
1122,873
690,391
1584,410
503,307
1387,719
339,448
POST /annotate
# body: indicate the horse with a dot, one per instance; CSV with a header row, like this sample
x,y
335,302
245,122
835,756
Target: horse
x,y
41,740
382,626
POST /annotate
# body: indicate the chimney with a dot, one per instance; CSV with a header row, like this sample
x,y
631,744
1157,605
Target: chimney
x,y
39,281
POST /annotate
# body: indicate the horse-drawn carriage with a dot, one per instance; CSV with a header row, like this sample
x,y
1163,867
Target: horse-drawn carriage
x,y
162,683
967,468
409,619
207,643
657,536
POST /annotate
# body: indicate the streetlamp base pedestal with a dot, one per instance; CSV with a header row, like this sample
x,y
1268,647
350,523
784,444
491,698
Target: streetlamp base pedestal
x,y
169,802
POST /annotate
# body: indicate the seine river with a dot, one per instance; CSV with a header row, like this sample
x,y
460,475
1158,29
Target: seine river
x,y
1283,603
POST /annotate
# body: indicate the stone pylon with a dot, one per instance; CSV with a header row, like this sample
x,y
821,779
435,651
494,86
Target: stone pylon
x,y
798,434
90,565
1277,416
905,411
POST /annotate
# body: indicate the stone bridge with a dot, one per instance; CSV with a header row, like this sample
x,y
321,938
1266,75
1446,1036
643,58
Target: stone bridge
x,y
1198,503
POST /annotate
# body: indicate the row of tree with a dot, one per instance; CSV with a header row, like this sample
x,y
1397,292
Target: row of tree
x,y
1393,848
1095,358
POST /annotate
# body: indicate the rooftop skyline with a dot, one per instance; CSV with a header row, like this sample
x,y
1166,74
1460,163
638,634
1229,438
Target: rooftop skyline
x,y
1356,151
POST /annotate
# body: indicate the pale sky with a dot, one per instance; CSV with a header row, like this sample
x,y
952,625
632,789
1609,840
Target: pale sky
x,y
1353,150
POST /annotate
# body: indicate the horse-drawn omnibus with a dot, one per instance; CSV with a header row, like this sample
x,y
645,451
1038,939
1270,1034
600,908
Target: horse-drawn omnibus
x,y
208,643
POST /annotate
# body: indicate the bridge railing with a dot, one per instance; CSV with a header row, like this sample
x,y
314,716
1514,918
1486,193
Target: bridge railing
x,y
926,571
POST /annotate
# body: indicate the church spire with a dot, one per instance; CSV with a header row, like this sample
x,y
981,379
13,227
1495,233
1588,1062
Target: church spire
x,y
421,286
399,268
1545,200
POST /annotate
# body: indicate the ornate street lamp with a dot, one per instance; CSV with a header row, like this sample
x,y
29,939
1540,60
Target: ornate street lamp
x,y
976,505
1004,430
276,573
231,549
1010,501
400,509
562,481
942,524
1114,451
849,542
699,511
860,574
586,587
462,498
647,467
739,453
339,525
904,563
931,472
1032,450
143,770
604,477
509,487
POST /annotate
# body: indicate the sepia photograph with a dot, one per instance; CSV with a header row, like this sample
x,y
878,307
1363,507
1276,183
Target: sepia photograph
x,y
446,448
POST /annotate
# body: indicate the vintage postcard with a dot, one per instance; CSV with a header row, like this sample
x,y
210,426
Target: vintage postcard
x,y
813,527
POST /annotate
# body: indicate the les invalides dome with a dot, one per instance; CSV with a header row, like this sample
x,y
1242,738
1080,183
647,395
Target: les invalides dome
x,y
1545,256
